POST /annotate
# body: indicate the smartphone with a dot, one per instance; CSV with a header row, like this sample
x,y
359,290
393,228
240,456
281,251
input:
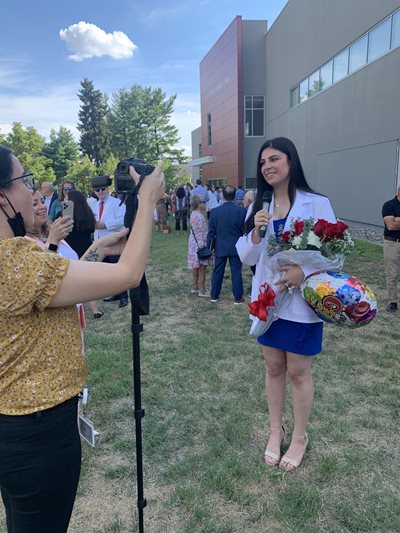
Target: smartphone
x,y
67,208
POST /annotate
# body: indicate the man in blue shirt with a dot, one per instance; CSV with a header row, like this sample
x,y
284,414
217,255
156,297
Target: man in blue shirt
x,y
239,195
200,190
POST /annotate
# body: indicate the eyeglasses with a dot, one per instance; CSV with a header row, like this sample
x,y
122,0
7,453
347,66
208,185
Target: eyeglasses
x,y
66,189
29,180
102,189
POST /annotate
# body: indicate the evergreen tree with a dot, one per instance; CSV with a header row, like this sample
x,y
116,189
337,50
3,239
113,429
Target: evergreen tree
x,y
62,150
139,125
81,173
108,167
92,123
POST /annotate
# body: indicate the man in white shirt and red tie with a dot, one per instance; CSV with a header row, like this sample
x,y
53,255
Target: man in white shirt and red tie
x,y
109,213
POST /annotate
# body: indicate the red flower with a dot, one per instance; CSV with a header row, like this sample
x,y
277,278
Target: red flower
x,y
319,227
328,231
341,228
285,236
298,227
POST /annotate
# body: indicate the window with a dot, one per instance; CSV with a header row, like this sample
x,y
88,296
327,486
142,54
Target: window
x,y
396,30
200,150
303,90
326,75
313,84
341,65
379,40
358,54
254,116
373,44
209,129
295,96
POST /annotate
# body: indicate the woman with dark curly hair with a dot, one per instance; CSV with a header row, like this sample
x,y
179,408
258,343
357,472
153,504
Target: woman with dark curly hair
x,y
42,368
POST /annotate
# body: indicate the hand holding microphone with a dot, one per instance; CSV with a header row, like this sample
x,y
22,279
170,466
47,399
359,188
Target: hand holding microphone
x,y
267,198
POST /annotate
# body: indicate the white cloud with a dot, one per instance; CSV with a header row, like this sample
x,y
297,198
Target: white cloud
x,y
87,40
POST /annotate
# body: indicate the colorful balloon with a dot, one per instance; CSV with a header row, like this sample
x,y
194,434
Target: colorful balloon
x,y
339,298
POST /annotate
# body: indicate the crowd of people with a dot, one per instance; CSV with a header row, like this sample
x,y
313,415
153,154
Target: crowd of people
x,y
59,261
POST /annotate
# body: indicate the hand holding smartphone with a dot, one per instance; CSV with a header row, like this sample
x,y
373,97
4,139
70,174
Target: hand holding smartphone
x,y
67,209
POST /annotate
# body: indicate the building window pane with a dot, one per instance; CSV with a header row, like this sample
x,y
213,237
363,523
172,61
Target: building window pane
x,y
326,75
340,65
358,54
258,102
313,84
396,30
247,123
304,90
294,96
209,129
258,122
254,116
379,40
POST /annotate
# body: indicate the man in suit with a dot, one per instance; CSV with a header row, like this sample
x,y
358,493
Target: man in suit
x,y
224,229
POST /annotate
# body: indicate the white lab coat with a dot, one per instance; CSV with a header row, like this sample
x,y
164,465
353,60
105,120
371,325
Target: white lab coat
x,y
305,205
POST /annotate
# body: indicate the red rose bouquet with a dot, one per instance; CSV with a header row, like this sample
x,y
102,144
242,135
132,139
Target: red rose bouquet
x,y
323,236
318,247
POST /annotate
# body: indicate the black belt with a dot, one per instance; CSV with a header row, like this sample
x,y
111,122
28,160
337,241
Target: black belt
x,y
393,239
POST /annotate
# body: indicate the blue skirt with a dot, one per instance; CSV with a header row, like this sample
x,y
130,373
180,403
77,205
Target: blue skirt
x,y
294,337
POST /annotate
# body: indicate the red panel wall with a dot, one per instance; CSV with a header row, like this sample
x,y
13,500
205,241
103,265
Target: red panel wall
x,y
220,94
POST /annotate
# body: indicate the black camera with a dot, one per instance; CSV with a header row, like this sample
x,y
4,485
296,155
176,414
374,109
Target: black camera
x,y
123,180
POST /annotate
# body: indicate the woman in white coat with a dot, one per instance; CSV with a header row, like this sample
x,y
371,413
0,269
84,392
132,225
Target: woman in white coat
x,y
297,333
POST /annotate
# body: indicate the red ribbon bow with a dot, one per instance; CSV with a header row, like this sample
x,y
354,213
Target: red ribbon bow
x,y
265,300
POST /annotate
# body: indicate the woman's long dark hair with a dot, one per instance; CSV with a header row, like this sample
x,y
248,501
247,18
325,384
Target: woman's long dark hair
x,y
297,180
6,166
83,216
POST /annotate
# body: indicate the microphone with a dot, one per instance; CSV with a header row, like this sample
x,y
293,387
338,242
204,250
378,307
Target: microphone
x,y
266,199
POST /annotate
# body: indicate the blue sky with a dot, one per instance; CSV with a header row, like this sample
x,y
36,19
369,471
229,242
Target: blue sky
x,y
48,47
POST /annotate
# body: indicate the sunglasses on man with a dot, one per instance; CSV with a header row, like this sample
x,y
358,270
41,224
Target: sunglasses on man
x,y
102,189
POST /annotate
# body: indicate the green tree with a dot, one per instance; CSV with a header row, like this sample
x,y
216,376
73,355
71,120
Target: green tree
x,y
24,141
27,144
139,125
81,173
62,150
108,167
92,124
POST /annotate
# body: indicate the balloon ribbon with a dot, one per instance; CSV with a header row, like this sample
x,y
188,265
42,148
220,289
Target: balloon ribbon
x,y
265,299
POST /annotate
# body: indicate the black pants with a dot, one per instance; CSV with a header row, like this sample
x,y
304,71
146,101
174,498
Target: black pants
x,y
40,462
181,215
115,259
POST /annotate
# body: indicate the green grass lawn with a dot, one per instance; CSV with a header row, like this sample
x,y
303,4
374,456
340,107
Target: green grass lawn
x,y
206,423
